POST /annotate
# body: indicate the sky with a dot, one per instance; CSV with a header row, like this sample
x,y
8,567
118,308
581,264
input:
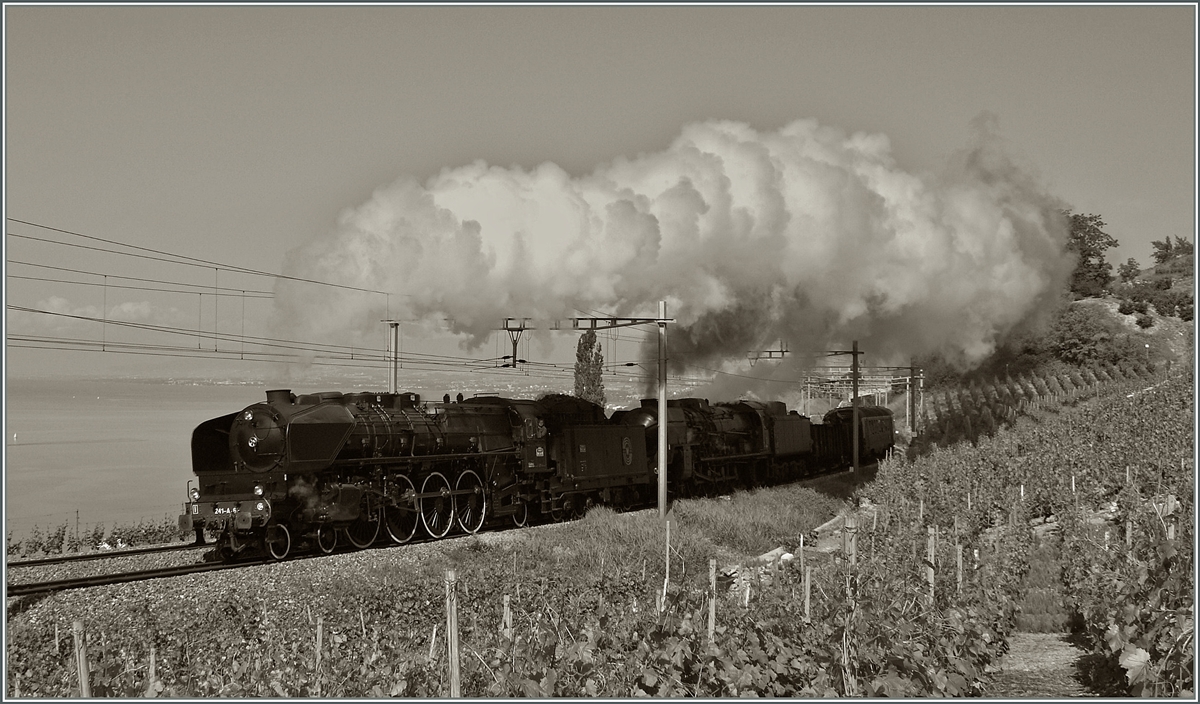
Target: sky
x,y
293,139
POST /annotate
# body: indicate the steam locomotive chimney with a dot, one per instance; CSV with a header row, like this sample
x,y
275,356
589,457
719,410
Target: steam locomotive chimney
x,y
283,396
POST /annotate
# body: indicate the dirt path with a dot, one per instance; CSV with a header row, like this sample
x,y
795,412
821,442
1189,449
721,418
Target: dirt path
x,y
1038,665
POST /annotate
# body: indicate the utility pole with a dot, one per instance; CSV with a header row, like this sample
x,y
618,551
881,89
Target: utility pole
x,y
921,391
393,356
755,355
912,397
662,409
514,334
854,400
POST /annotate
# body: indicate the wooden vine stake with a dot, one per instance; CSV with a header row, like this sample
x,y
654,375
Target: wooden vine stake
x,y
874,525
452,630
850,539
320,633
807,592
81,660
712,598
958,569
667,574
506,623
929,555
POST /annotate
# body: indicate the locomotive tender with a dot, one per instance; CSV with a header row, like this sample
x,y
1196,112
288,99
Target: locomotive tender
x,y
306,469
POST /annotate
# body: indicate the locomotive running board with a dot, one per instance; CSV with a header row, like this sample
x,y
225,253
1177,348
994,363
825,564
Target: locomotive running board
x,y
406,459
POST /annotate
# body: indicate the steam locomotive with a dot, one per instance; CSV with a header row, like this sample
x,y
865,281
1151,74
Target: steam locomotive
x,y
298,471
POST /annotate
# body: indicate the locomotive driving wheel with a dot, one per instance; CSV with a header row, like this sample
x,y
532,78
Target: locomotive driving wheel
x,y
521,517
326,539
362,532
279,541
571,506
402,519
471,508
437,505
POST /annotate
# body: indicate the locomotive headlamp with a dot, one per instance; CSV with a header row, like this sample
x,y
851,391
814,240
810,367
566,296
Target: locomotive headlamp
x,y
258,489
253,441
259,506
195,494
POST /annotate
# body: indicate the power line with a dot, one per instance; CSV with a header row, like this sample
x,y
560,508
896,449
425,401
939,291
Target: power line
x,y
236,293
180,259
344,351
276,358
174,258
348,356
206,287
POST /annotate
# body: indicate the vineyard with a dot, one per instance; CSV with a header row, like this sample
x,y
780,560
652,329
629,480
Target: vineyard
x,y
969,411
65,539
920,600
1116,476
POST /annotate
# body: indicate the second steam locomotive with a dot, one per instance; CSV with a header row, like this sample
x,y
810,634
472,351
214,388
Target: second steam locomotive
x,y
318,469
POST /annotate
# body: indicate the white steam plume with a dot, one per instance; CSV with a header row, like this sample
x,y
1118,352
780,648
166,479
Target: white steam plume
x,y
802,234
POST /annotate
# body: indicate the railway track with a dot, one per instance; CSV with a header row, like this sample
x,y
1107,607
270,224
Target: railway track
x,y
122,578
14,590
84,557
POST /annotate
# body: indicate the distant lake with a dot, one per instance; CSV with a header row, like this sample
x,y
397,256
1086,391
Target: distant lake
x,y
116,451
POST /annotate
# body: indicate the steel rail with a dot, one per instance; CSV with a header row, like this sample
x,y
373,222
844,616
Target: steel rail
x,y
83,557
59,585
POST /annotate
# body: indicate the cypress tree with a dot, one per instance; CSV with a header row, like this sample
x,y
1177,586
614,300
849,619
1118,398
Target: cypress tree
x,y
589,363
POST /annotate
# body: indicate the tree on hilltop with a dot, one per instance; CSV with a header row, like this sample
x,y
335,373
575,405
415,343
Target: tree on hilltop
x,y
1089,241
1129,271
1165,249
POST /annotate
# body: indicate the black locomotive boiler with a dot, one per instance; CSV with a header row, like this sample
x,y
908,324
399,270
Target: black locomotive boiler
x,y
318,469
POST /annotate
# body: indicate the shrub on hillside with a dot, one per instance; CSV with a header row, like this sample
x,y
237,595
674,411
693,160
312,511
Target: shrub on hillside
x,y
1166,300
1125,307
1145,321
1082,338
